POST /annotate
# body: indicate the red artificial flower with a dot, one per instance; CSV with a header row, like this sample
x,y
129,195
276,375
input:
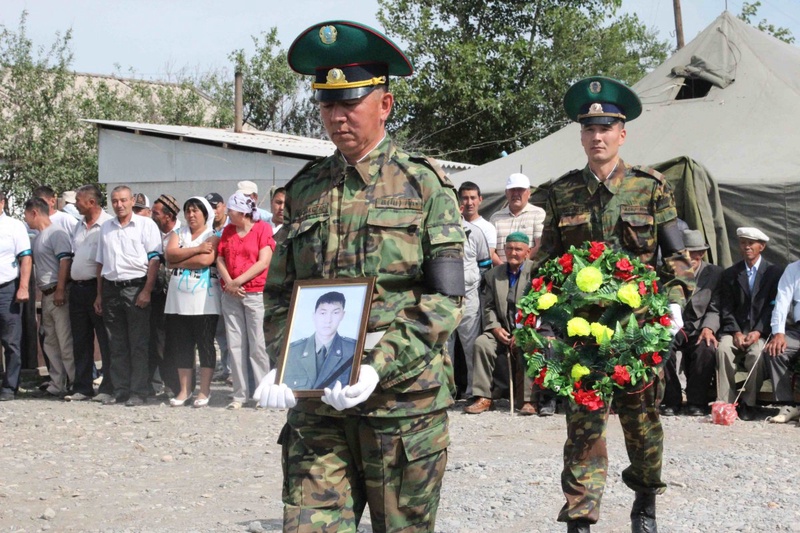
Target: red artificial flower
x,y
566,263
655,287
621,375
642,288
519,316
539,380
588,398
665,321
537,283
624,269
550,286
596,249
643,357
656,358
530,321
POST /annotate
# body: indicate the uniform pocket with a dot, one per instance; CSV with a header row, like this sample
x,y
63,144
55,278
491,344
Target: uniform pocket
x,y
393,245
425,453
638,234
575,229
308,248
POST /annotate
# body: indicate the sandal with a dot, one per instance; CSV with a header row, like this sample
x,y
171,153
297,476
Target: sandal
x,y
234,405
176,402
786,414
201,402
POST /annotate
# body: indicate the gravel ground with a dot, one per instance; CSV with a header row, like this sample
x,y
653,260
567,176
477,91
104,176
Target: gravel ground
x,y
87,467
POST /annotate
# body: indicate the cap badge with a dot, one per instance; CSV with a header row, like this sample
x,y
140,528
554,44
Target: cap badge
x,y
336,77
327,34
595,87
595,108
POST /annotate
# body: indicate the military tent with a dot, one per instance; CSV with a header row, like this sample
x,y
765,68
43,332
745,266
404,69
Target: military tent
x,y
722,119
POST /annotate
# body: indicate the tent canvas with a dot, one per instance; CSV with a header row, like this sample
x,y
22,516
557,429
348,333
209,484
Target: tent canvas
x,y
725,105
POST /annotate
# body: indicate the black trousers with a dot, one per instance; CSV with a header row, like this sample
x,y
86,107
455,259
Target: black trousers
x,y
128,328
86,325
699,365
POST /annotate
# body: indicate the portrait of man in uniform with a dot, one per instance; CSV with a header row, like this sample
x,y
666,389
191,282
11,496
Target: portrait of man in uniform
x,y
323,343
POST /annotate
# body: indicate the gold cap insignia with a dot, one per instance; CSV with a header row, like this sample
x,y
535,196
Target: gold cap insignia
x,y
595,108
335,77
327,34
595,87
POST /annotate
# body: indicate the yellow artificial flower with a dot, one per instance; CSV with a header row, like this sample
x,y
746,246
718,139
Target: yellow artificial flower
x,y
629,294
546,301
578,327
578,371
601,332
589,279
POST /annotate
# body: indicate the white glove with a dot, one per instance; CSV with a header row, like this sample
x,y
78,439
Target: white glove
x,y
274,396
677,318
341,398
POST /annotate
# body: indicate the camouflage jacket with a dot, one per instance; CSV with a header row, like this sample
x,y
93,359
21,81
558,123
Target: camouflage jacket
x,y
382,217
626,211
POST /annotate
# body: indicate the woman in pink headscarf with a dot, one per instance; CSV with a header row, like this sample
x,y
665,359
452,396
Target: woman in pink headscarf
x,y
244,252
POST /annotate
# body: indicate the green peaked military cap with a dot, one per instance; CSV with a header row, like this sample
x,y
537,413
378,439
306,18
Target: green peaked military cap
x,y
349,60
601,100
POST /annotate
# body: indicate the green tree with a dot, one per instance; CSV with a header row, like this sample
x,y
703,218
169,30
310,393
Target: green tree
x,y
491,74
275,98
42,137
39,115
750,11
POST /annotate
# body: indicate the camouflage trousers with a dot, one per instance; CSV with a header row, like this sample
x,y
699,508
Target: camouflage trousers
x,y
334,466
586,455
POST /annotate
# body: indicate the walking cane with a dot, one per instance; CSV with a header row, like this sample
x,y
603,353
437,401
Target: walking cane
x,y
510,380
724,413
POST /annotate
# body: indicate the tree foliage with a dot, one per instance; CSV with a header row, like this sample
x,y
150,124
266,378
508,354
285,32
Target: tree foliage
x,y
42,138
749,13
274,96
491,74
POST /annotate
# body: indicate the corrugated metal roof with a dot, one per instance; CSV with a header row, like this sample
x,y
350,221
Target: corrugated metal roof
x,y
267,141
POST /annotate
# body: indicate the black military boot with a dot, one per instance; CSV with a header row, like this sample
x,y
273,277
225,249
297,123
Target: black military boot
x,y
578,526
643,513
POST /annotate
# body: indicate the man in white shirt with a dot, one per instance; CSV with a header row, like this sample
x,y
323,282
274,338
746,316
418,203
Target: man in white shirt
x,y
52,257
128,257
518,215
85,323
784,346
15,271
57,217
277,204
469,196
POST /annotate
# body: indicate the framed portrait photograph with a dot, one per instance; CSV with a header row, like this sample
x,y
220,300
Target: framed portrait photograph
x,y
325,336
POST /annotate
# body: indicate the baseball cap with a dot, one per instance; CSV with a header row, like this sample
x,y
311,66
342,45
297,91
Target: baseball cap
x,y
516,181
140,199
214,199
247,187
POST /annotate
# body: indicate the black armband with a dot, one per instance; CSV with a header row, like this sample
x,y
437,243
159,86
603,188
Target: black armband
x,y
670,238
445,275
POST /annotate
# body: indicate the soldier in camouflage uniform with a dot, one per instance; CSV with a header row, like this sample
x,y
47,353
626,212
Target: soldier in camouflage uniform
x,y
630,208
370,209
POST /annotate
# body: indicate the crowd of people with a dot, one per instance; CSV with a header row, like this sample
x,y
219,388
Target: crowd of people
x,y
739,319
143,290
151,291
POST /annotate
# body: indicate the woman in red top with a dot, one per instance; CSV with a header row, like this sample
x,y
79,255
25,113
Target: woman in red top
x,y
244,252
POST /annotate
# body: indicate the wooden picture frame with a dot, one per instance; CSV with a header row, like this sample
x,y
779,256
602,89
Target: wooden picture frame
x,y
333,313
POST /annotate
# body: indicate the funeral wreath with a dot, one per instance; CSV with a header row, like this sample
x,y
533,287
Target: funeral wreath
x,y
593,322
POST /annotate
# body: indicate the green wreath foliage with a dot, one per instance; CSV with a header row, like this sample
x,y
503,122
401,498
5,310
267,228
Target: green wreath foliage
x,y
594,321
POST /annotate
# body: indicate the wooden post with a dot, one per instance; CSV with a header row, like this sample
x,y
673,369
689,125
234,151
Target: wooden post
x,y
238,104
676,4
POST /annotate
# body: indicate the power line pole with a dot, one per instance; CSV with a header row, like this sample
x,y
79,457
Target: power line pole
x,y
676,4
